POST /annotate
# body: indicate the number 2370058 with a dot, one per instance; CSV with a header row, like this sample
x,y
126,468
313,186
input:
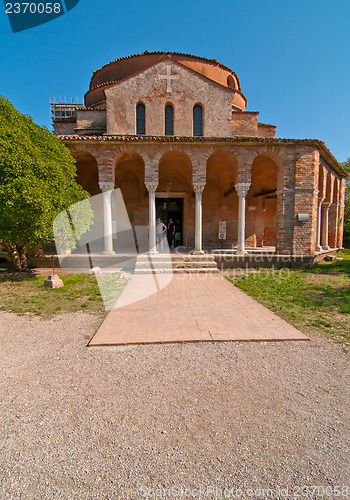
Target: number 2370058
x,y
33,8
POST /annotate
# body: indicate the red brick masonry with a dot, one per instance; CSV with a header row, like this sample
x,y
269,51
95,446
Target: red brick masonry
x,y
192,308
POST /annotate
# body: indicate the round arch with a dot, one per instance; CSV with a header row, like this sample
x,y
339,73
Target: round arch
x,y
262,200
129,178
335,190
321,181
220,201
174,198
87,171
328,180
175,172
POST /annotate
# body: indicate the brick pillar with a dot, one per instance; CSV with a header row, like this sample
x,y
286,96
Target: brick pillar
x,y
105,162
245,158
341,212
284,221
305,200
285,204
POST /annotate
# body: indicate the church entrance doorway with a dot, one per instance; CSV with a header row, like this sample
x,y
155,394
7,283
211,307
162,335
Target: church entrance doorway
x,y
170,208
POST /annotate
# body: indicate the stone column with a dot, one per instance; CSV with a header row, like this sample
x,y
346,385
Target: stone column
x,y
151,187
198,189
242,190
318,229
325,212
107,188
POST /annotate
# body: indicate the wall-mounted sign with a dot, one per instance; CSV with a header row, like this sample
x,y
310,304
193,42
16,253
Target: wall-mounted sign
x,y
222,230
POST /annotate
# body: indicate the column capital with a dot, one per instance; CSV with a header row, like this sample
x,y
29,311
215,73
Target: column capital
x,y
242,188
198,188
106,186
151,186
326,205
321,199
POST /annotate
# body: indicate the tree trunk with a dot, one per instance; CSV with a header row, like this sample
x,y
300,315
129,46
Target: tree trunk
x,y
22,258
17,256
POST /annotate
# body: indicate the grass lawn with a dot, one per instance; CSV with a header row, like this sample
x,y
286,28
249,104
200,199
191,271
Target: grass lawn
x,y
25,293
315,299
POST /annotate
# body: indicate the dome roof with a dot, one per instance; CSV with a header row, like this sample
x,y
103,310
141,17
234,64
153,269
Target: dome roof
x,y
124,67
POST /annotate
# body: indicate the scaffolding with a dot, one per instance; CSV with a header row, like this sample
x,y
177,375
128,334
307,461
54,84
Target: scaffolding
x,y
63,109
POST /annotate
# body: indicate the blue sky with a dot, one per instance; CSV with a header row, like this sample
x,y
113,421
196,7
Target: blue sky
x,y
292,58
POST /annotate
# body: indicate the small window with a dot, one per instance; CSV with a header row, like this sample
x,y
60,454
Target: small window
x,y
197,120
169,120
140,119
230,82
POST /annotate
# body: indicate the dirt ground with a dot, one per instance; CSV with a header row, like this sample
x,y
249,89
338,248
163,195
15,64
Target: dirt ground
x,y
145,421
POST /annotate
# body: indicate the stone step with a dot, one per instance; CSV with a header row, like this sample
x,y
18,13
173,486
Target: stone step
x,y
177,271
175,265
187,258
167,262
194,264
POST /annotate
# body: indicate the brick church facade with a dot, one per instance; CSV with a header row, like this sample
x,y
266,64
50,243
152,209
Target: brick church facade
x,y
172,132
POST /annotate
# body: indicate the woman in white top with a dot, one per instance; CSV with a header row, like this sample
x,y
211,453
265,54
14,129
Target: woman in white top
x,y
161,230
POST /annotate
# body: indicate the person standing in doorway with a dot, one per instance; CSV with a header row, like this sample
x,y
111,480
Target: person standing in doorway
x,y
177,233
161,230
171,233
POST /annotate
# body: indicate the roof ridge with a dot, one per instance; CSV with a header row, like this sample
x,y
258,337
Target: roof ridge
x,y
147,53
106,84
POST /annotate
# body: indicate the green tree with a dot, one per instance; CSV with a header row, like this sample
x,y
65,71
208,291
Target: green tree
x,y
37,182
346,165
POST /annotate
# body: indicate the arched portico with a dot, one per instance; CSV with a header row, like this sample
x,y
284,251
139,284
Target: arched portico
x,y
325,211
321,196
262,202
334,216
253,188
220,200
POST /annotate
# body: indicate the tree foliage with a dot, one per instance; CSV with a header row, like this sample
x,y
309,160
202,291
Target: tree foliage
x,y
37,181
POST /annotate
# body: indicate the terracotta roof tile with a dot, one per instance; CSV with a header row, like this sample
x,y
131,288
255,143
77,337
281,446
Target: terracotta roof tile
x,y
147,53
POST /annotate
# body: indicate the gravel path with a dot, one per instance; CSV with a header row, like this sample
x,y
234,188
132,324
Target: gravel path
x,y
79,423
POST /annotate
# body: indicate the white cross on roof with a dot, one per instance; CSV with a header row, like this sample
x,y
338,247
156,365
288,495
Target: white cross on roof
x,y
168,77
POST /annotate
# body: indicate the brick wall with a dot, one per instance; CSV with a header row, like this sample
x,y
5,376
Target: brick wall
x,y
91,120
187,90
